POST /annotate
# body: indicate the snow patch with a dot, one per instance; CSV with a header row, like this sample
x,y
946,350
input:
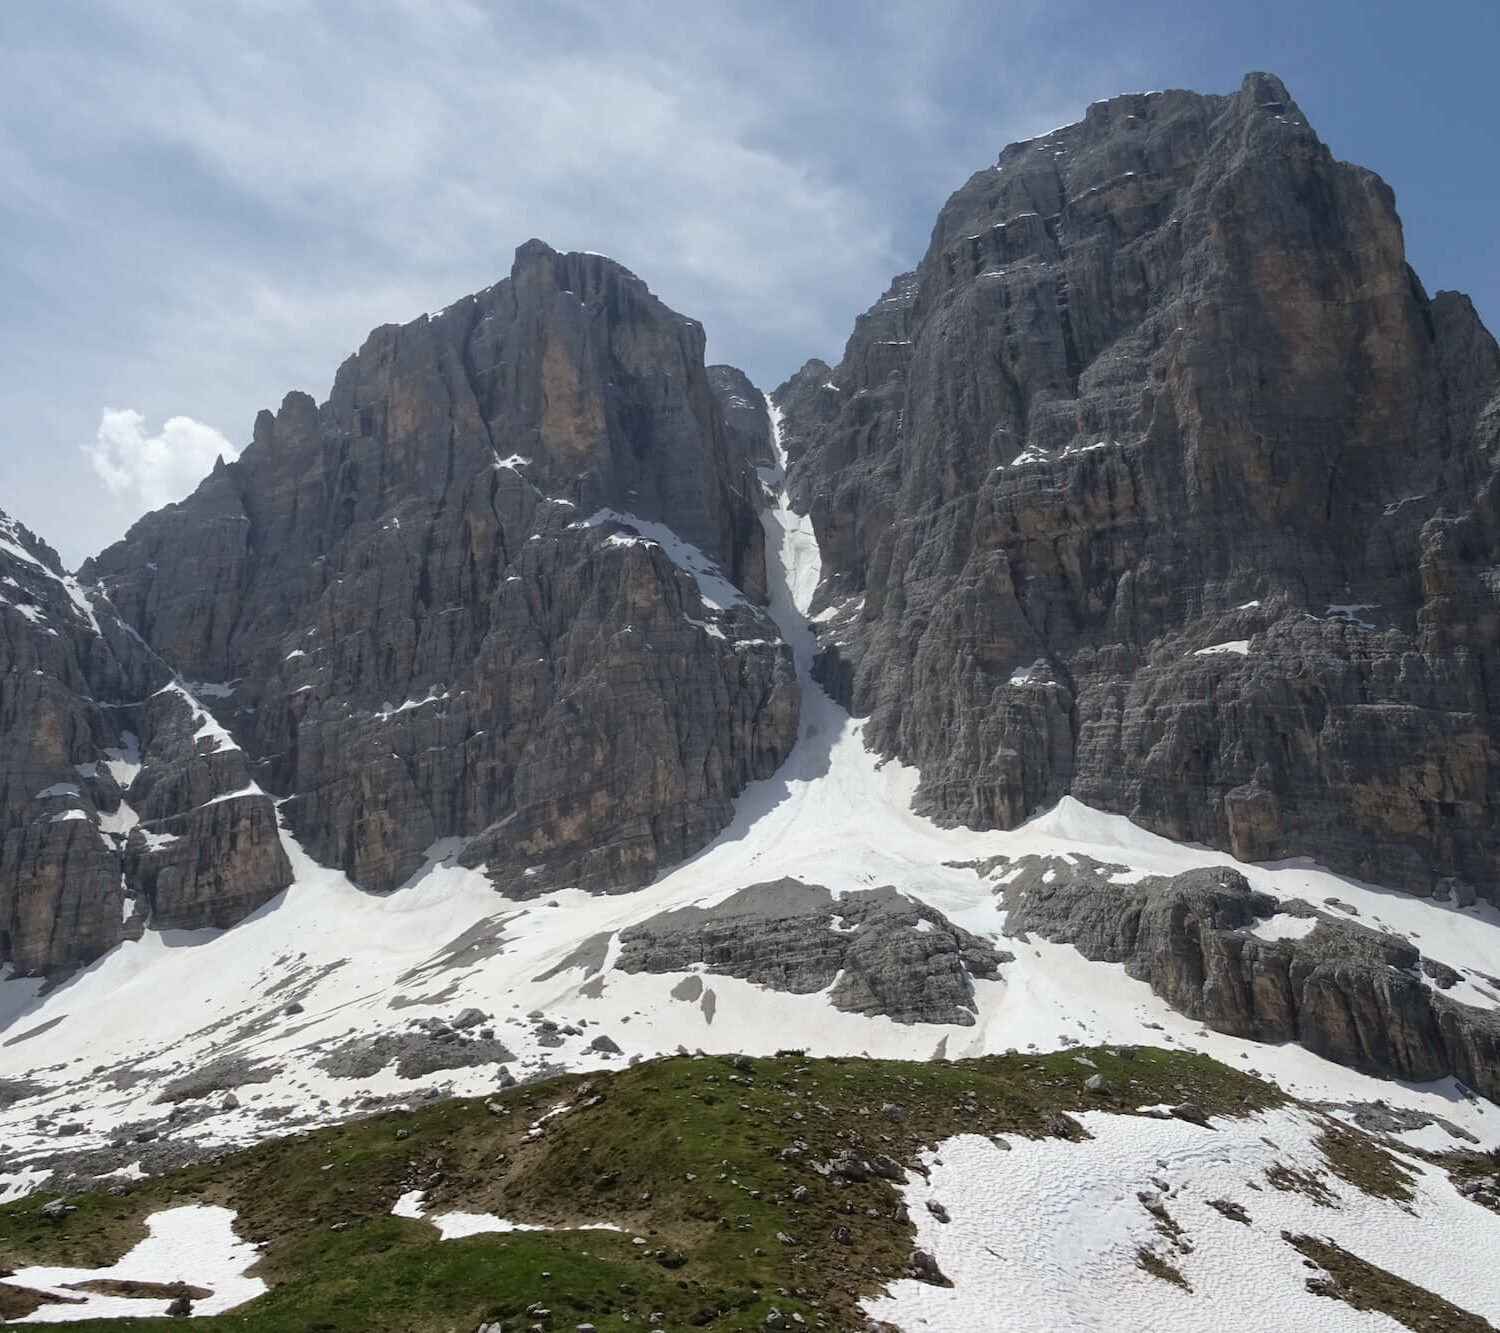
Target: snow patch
x,y
715,590
194,1244
1238,647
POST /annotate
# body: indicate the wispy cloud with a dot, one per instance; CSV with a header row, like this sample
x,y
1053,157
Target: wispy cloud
x,y
211,204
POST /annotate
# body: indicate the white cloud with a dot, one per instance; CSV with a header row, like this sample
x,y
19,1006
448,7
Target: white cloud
x,y
148,471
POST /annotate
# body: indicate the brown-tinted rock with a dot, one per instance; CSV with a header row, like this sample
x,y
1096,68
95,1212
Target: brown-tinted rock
x,y
462,597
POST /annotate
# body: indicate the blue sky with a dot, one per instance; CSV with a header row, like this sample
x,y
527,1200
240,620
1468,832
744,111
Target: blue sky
x,y
205,205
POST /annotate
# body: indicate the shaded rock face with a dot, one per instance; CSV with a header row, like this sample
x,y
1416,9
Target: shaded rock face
x,y
1348,993
505,584
744,409
118,805
890,955
1161,481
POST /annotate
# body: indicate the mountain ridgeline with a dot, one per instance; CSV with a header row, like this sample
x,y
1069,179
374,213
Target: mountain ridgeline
x,y
1160,482
121,800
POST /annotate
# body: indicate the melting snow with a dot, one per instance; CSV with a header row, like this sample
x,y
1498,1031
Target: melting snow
x,y
390,710
1396,506
56,789
1061,1253
1284,926
716,590
208,689
833,815
454,1226
125,762
208,726
194,1244
1240,647
1350,611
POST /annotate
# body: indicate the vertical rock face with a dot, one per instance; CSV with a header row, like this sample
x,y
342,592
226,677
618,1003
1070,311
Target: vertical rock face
x,y
505,585
119,803
1162,481
744,410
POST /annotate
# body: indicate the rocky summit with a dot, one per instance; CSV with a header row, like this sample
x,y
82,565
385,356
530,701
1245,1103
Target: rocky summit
x,y
1162,481
505,585
121,800
605,823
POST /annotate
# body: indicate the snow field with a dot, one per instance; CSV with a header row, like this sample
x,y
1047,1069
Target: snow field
x,y
1045,1236
194,1244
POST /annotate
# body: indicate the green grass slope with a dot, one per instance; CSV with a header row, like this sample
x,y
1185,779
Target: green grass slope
x,y
703,1163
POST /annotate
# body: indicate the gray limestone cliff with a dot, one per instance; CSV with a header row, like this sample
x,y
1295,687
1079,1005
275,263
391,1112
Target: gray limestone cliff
x,y
879,951
1163,482
505,585
121,804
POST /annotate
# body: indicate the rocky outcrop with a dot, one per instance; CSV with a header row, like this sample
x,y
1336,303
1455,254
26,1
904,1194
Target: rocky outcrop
x,y
119,802
504,585
1161,481
1350,994
881,952
745,416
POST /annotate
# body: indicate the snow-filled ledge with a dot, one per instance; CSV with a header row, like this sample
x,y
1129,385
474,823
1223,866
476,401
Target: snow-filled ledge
x,y
1047,1234
194,1244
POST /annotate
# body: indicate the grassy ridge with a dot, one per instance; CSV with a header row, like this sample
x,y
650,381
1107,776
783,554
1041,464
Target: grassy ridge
x,y
696,1158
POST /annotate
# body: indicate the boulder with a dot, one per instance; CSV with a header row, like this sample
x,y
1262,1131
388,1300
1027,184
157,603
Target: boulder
x,y
890,954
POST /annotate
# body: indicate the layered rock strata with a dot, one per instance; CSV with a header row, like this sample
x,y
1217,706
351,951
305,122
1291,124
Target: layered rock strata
x,y
121,802
1163,482
503,585
1357,996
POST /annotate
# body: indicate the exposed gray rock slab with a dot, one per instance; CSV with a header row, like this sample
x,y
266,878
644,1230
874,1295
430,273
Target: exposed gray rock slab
x,y
414,1054
233,1071
891,955
1346,992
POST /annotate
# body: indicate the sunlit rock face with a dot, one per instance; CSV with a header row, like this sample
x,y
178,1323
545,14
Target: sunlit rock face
x,y
1162,481
505,585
